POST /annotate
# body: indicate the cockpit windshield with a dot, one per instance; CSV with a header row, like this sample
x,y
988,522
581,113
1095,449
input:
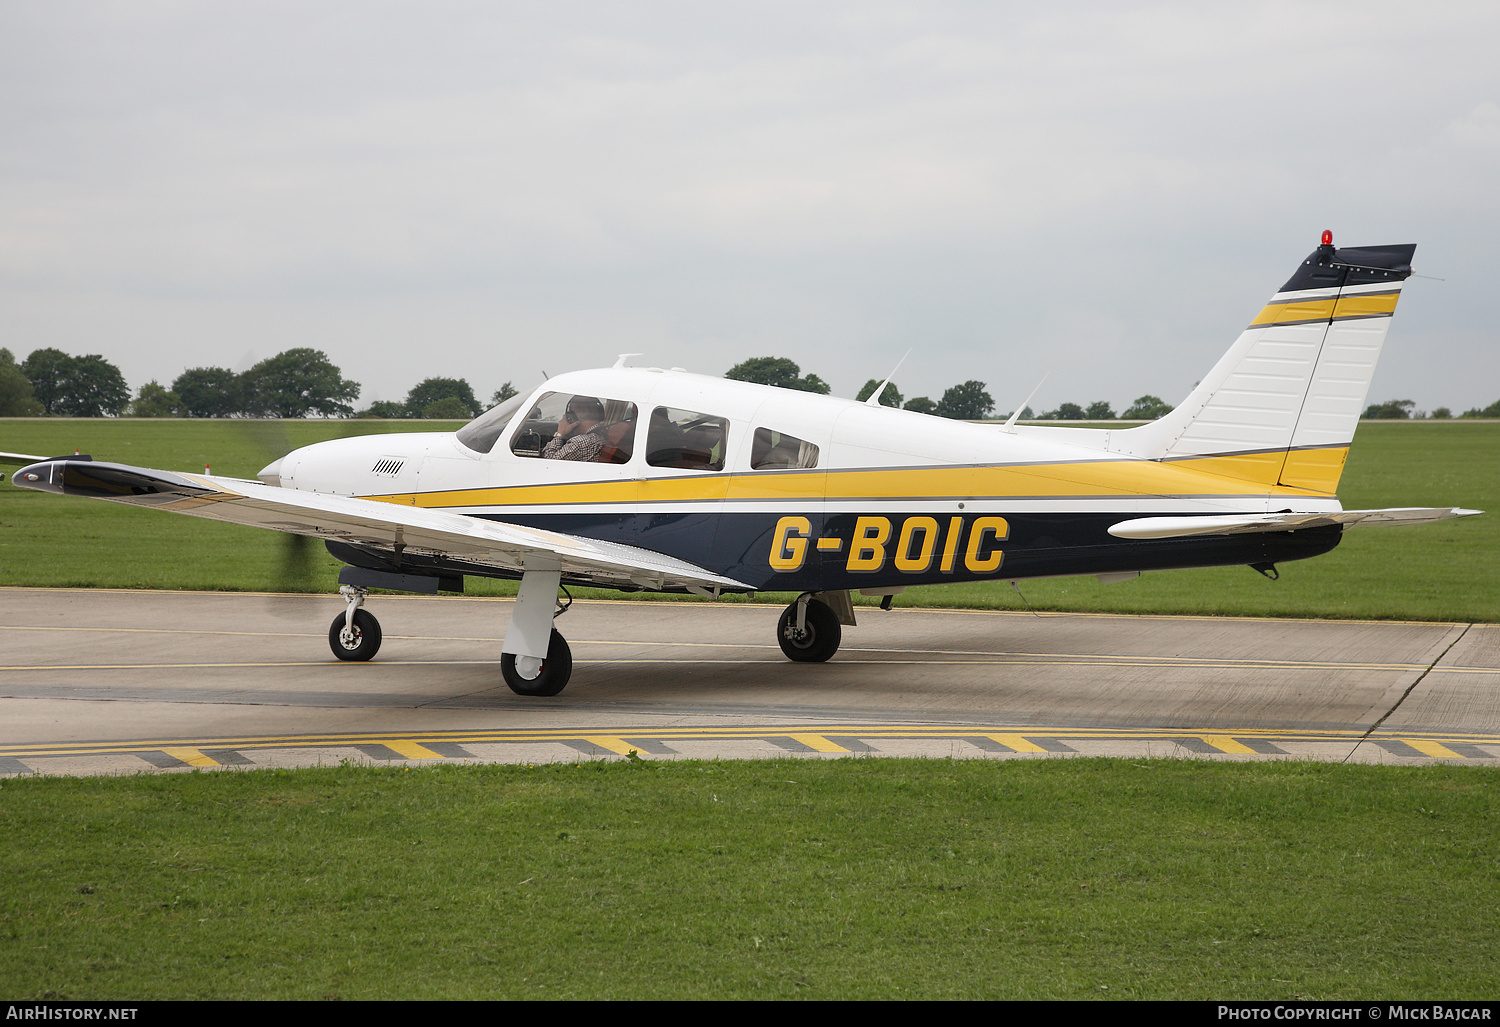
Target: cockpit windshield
x,y
480,434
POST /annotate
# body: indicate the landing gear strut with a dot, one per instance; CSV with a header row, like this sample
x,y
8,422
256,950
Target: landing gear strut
x,y
355,633
535,659
808,631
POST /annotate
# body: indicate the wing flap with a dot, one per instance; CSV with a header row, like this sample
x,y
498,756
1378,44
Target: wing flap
x,y
366,522
1239,524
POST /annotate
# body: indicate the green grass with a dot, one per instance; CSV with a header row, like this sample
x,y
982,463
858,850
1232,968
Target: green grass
x,y
860,878
1448,571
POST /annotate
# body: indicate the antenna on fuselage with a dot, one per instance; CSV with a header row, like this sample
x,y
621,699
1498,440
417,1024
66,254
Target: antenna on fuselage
x,y
1010,422
874,400
620,362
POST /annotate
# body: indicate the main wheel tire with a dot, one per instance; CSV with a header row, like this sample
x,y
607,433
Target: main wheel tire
x,y
360,643
556,669
819,639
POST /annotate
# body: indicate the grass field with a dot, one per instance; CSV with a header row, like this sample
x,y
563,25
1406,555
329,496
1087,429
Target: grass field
x,y
863,878
1447,571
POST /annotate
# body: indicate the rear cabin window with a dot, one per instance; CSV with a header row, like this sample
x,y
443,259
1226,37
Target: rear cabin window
x,y
686,439
573,426
773,450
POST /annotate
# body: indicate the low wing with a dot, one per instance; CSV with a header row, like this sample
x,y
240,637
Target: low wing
x,y
365,522
1239,524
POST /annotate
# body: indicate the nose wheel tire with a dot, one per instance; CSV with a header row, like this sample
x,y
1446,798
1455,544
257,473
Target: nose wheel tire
x,y
550,679
819,638
359,642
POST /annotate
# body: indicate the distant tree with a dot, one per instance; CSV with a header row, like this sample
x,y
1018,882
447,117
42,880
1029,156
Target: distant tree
x,y
1493,410
48,370
87,386
209,392
777,371
891,397
296,383
921,404
1099,411
1026,414
1147,408
384,408
1390,410
154,401
16,399
1064,412
1442,413
449,408
967,402
502,394
429,391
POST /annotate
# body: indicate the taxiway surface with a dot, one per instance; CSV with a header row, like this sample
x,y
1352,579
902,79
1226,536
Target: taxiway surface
x,y
117,681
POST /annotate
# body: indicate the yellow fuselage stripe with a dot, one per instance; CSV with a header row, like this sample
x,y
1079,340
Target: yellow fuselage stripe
x,y
1248,474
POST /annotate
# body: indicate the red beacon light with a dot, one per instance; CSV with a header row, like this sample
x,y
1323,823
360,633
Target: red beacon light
x,y
1327,237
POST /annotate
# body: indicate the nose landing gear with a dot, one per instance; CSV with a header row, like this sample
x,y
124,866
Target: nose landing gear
x,y
355,633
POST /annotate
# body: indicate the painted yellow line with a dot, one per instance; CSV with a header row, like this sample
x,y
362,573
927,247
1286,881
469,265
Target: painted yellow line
x,y
412,750
817,743
192,757
611,743
412,745
1016,742
1428,748
1226,744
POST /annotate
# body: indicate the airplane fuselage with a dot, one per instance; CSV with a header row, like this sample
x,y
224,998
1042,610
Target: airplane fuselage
x,y
891,497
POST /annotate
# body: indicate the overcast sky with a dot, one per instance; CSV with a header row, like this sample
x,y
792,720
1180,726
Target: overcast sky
x,y
1106,193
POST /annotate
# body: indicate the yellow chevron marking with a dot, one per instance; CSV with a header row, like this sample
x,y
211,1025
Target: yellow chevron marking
x,y
1366,306
1296,310
818,743
1226,744
192,757
411,750
1016,742
1428,748
1317,470
610,743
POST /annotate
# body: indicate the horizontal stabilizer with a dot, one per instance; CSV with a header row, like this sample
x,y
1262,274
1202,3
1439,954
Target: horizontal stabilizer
x,y
1239,524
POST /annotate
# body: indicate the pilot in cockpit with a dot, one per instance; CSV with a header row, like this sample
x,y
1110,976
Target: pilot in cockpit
x,y
578,435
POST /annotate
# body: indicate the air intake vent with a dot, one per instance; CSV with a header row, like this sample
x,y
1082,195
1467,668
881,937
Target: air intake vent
x,y
389,465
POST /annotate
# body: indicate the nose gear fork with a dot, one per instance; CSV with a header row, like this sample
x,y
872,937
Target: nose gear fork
x,y
355,597
354,635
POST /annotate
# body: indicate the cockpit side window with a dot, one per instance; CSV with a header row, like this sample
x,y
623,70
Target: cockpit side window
x,y
572,426
686,439
771,450
480,434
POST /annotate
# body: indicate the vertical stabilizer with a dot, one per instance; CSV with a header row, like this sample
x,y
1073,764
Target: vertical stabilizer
x,y
1281,406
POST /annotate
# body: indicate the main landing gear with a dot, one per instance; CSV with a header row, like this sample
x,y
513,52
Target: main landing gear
x,y
809,630
534,659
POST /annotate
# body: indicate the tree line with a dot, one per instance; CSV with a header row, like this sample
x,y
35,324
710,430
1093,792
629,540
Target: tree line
x,y
967,401
294,383
305,383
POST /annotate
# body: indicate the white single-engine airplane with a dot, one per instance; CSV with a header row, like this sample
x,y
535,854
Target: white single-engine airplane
x,y
645,479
